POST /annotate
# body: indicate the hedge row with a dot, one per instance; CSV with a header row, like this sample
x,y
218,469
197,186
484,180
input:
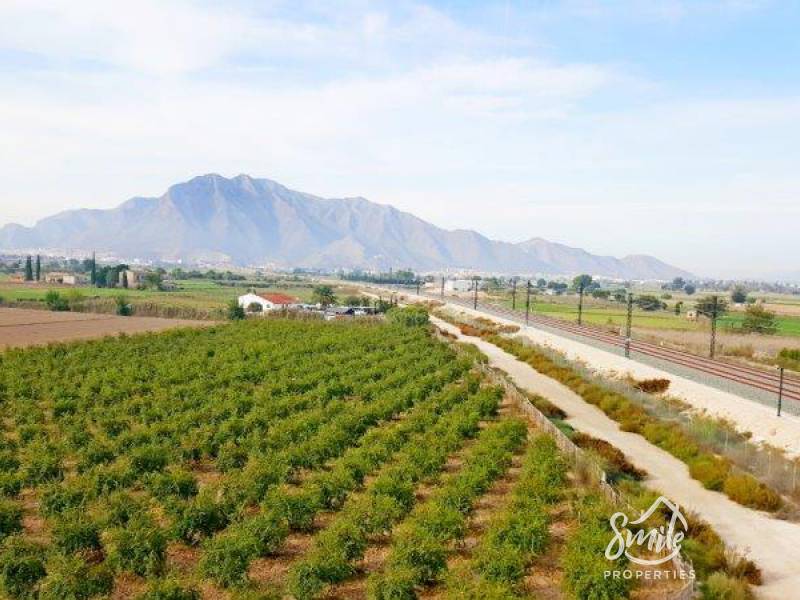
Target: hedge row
x,y
227,556
421,544
388,498
518,533
583,561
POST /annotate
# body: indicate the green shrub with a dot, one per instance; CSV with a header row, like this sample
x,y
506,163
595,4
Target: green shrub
x,y
408,316
10,484
200,518
55,301
43,465
344,536
584,562
121,507
748,491
148,459
21,567
139,547
421,553
397,584
709,470
226,557
10,518
175,483
721,587
75,531
466,586
169,589
70,577
297,508
501,563
268,530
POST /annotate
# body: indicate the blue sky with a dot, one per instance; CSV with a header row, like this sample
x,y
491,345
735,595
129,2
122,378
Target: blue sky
x,y
666,127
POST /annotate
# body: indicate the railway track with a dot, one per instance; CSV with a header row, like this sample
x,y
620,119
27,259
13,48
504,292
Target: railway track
x,y
741,374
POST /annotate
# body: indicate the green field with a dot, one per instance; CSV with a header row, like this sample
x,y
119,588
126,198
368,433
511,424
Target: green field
x,y
598,314
614,314
195,296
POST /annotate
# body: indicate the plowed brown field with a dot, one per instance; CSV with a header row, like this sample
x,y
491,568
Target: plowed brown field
x,y
20,327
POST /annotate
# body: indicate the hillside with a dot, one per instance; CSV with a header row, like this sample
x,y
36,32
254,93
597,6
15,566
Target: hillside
x,y
249,221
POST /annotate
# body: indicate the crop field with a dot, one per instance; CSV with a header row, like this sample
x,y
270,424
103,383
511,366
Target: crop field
x,y
20,327
282,457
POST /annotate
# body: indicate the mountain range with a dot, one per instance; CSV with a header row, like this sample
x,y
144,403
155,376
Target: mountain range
x,y
249,222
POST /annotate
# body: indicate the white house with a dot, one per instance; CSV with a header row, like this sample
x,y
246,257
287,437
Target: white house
x,y
267,302
458,285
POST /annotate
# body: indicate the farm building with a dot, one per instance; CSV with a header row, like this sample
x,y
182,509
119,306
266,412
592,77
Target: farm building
x,y
64,278
135,279
267,302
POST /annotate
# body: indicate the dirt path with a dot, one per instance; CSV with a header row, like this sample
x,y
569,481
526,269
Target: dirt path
x,y
773,544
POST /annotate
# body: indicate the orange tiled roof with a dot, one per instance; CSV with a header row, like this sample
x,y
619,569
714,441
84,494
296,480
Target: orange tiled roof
x,y
279,298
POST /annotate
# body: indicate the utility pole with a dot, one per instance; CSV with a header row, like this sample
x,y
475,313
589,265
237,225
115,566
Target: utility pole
x,y
580,304
714,314
780,392
527,301
628,323
475,298
442,294
514,294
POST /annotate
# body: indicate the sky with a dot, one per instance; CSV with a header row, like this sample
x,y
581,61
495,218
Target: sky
x,y
665,127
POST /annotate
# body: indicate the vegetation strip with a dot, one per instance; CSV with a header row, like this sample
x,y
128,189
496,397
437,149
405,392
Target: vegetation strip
x,y
516,534
713,472
288,508
420,545
387,499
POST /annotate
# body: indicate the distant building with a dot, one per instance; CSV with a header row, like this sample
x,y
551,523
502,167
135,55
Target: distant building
x,y
61,278
342,312
459,285
74,279
267,302
135,278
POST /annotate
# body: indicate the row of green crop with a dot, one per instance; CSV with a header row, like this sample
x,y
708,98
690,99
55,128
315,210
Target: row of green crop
x,y
712,471
517,533
293,508
420,546
106,434
387,498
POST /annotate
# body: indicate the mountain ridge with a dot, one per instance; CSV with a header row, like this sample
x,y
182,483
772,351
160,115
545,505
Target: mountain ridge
x,y
249,221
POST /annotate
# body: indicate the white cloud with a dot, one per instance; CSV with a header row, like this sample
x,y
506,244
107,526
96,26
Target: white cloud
x,y
403,105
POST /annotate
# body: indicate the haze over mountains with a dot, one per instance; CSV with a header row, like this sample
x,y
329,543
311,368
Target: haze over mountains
x,y
247,221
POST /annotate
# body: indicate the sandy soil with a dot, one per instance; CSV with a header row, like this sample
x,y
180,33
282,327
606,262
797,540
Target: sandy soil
x,y
773,544
20,327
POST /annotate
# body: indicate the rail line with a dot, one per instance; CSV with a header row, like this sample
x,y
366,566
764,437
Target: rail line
x,y
741,374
